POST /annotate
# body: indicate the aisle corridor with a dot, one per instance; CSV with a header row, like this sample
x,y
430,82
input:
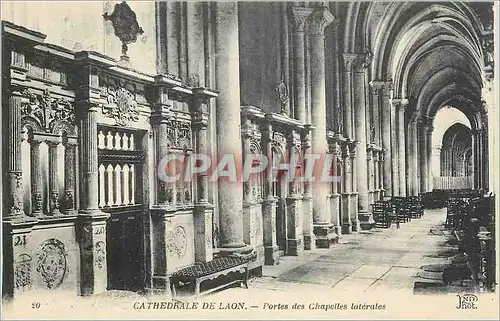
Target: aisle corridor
x,y
375,260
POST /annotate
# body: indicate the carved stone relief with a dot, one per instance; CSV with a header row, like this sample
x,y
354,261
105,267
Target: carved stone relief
x,y
100,254
177,242
47,114
22,272
121,106
52,263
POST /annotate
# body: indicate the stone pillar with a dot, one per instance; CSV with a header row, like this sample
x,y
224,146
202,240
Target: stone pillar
x,y
376,176
93,278
195,44
318,20
436,165
54,178
307,203
69,176
284,55
346,192
422,133
381,177
335,196
364,214
36,179
14,167
295,244
394,147
227,75
375,88
203,210
414,159
370,172
400,105
348,60
353,203
429,157
271,255
386,137
299,17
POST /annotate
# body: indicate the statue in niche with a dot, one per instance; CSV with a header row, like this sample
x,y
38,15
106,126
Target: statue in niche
x,y
126,27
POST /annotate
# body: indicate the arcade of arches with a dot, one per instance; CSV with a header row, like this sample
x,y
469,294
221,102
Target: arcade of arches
x,y
84,130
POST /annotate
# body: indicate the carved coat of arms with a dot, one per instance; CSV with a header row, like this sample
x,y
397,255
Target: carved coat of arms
x,y
121,106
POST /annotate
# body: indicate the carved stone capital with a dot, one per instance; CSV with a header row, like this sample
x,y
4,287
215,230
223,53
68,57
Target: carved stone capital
x,y
362,62
299,17
376,86
318,20
387,88
348,61
400,103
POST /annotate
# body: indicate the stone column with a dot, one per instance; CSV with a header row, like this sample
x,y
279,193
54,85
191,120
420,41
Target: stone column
x,y
348,60
386,137
284,55
318,20
36,179
436,166
93,278
381,173
364,213
335,196
414,163
295,244
69,177
353,203
394,146
271,255
375,88
376,176
54,178
400,105
307,203
422,133
299,17
227,75
346,190
429,156
203,210
370,172
14,175
195,44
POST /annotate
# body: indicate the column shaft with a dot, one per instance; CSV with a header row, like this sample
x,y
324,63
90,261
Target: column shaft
x,y
54,178
230,194
402,149
299,18
395,152
36,180
90,199
386,138
362,173
14,166
69,178
319,19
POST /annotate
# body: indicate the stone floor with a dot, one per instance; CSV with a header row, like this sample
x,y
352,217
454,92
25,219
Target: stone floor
x,y
372,267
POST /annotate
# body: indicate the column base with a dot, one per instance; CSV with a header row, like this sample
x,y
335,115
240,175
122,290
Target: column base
x,y
366,220
271,255
347,228
325,235
338,230
356,226
309,242
229,249
294,247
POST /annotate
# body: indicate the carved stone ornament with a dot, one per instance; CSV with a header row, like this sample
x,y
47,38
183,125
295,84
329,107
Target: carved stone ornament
x,y
22,272
46,114
179,134
121,106
177,242
52,263
282,91
100,254
125,24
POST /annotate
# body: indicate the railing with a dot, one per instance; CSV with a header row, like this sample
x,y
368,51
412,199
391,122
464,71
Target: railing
x,y
451,182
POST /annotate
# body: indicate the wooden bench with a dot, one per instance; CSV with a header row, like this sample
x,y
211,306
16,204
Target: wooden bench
x,y
235,264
